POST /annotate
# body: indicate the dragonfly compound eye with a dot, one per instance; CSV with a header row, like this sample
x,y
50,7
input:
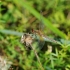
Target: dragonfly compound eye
x,y
27,39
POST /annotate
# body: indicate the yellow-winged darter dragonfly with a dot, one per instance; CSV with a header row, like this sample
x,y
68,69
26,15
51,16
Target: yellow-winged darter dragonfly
x,y
36,37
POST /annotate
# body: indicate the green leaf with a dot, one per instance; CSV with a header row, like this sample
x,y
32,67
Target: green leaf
x,y
37,15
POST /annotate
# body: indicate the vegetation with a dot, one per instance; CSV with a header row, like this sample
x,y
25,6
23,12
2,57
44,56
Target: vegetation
x,y
51,18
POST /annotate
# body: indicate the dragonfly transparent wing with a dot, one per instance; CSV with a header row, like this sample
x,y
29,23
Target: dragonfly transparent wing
x,y
41,44
38,43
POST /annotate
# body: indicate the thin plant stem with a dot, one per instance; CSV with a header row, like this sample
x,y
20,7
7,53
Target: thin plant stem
x,y
37,58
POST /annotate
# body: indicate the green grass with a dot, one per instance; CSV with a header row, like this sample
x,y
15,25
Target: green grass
x,y
20,17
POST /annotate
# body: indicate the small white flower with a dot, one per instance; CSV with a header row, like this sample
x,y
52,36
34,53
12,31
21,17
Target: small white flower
x,y
4,64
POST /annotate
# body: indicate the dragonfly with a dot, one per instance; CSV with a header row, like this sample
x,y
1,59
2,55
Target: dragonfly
x,y
36,37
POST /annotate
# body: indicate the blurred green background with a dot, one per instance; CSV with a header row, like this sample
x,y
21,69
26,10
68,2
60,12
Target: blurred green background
x,y
21,16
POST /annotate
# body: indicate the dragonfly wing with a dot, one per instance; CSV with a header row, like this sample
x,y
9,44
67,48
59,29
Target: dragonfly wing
x,y
41,44
38,44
